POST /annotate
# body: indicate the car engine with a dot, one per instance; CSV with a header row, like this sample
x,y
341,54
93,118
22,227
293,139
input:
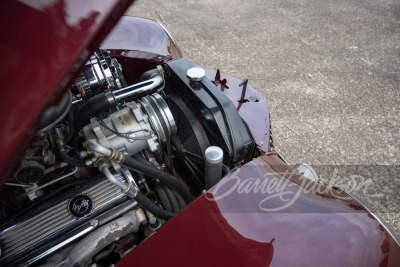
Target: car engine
x,y
115,160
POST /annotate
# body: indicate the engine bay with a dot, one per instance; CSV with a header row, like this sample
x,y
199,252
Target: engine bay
x,y
115,160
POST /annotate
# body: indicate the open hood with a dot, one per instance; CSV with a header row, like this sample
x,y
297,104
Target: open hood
x,y
42,57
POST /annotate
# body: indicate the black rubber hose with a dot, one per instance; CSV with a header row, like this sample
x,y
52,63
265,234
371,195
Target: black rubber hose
x,y
52,143
71,132
142,159
172,199
164,177
91,108
149,74
153,208
181,201
162,195
70,160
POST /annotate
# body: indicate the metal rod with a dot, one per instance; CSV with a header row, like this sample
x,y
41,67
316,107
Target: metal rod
x,y
18,185
136,90
94,146
54,181
112,179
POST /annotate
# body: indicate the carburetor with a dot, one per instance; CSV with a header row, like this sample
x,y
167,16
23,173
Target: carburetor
x,y
142,124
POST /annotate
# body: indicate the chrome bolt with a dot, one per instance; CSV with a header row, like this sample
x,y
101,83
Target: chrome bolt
x,y
94,222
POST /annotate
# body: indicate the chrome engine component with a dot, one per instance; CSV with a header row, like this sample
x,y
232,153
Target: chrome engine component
x,y
134,128
196,74
153,85
101,73
160,116
57,223
214,156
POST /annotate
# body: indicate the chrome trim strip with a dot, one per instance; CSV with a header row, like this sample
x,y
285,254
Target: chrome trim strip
x,y
376,216
170,37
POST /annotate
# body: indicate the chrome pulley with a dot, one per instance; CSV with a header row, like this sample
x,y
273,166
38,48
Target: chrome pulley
x,y
160,116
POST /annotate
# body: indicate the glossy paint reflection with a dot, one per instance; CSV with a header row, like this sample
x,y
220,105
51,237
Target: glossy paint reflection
x,y
178,244
318,229
139,45
138,34
44,43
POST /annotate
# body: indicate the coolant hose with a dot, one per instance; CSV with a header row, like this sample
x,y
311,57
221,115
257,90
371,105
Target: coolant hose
x,y
172,199
91,108
164,177
138,166
162,195
153,208
70,160
182,203
138,196
71,132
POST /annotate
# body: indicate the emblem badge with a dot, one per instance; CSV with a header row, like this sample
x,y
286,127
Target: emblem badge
x,y
80,206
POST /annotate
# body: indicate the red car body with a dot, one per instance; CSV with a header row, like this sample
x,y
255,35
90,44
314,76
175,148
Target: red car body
x,y
45,45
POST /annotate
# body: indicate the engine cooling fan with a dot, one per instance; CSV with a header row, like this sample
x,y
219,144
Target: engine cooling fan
x,y
189,143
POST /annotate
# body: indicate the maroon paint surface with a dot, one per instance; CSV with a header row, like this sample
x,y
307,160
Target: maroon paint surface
x,y
139,45
44,44
140,38
316,230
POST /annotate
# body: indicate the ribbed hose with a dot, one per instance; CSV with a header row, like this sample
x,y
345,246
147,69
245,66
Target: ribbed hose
x,y
164,177
91,108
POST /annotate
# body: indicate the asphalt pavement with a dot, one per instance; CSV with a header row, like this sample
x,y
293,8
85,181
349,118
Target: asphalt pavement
x,y
329,69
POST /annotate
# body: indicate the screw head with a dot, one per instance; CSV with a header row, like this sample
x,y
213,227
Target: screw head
x,y
196,74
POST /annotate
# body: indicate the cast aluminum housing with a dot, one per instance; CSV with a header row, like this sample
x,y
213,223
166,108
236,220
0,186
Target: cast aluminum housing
x,y
140,125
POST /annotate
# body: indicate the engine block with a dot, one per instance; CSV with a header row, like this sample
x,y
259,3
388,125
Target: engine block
x,y
60,221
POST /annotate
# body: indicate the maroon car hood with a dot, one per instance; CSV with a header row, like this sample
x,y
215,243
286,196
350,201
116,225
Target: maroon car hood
x,y
233,226
44,43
